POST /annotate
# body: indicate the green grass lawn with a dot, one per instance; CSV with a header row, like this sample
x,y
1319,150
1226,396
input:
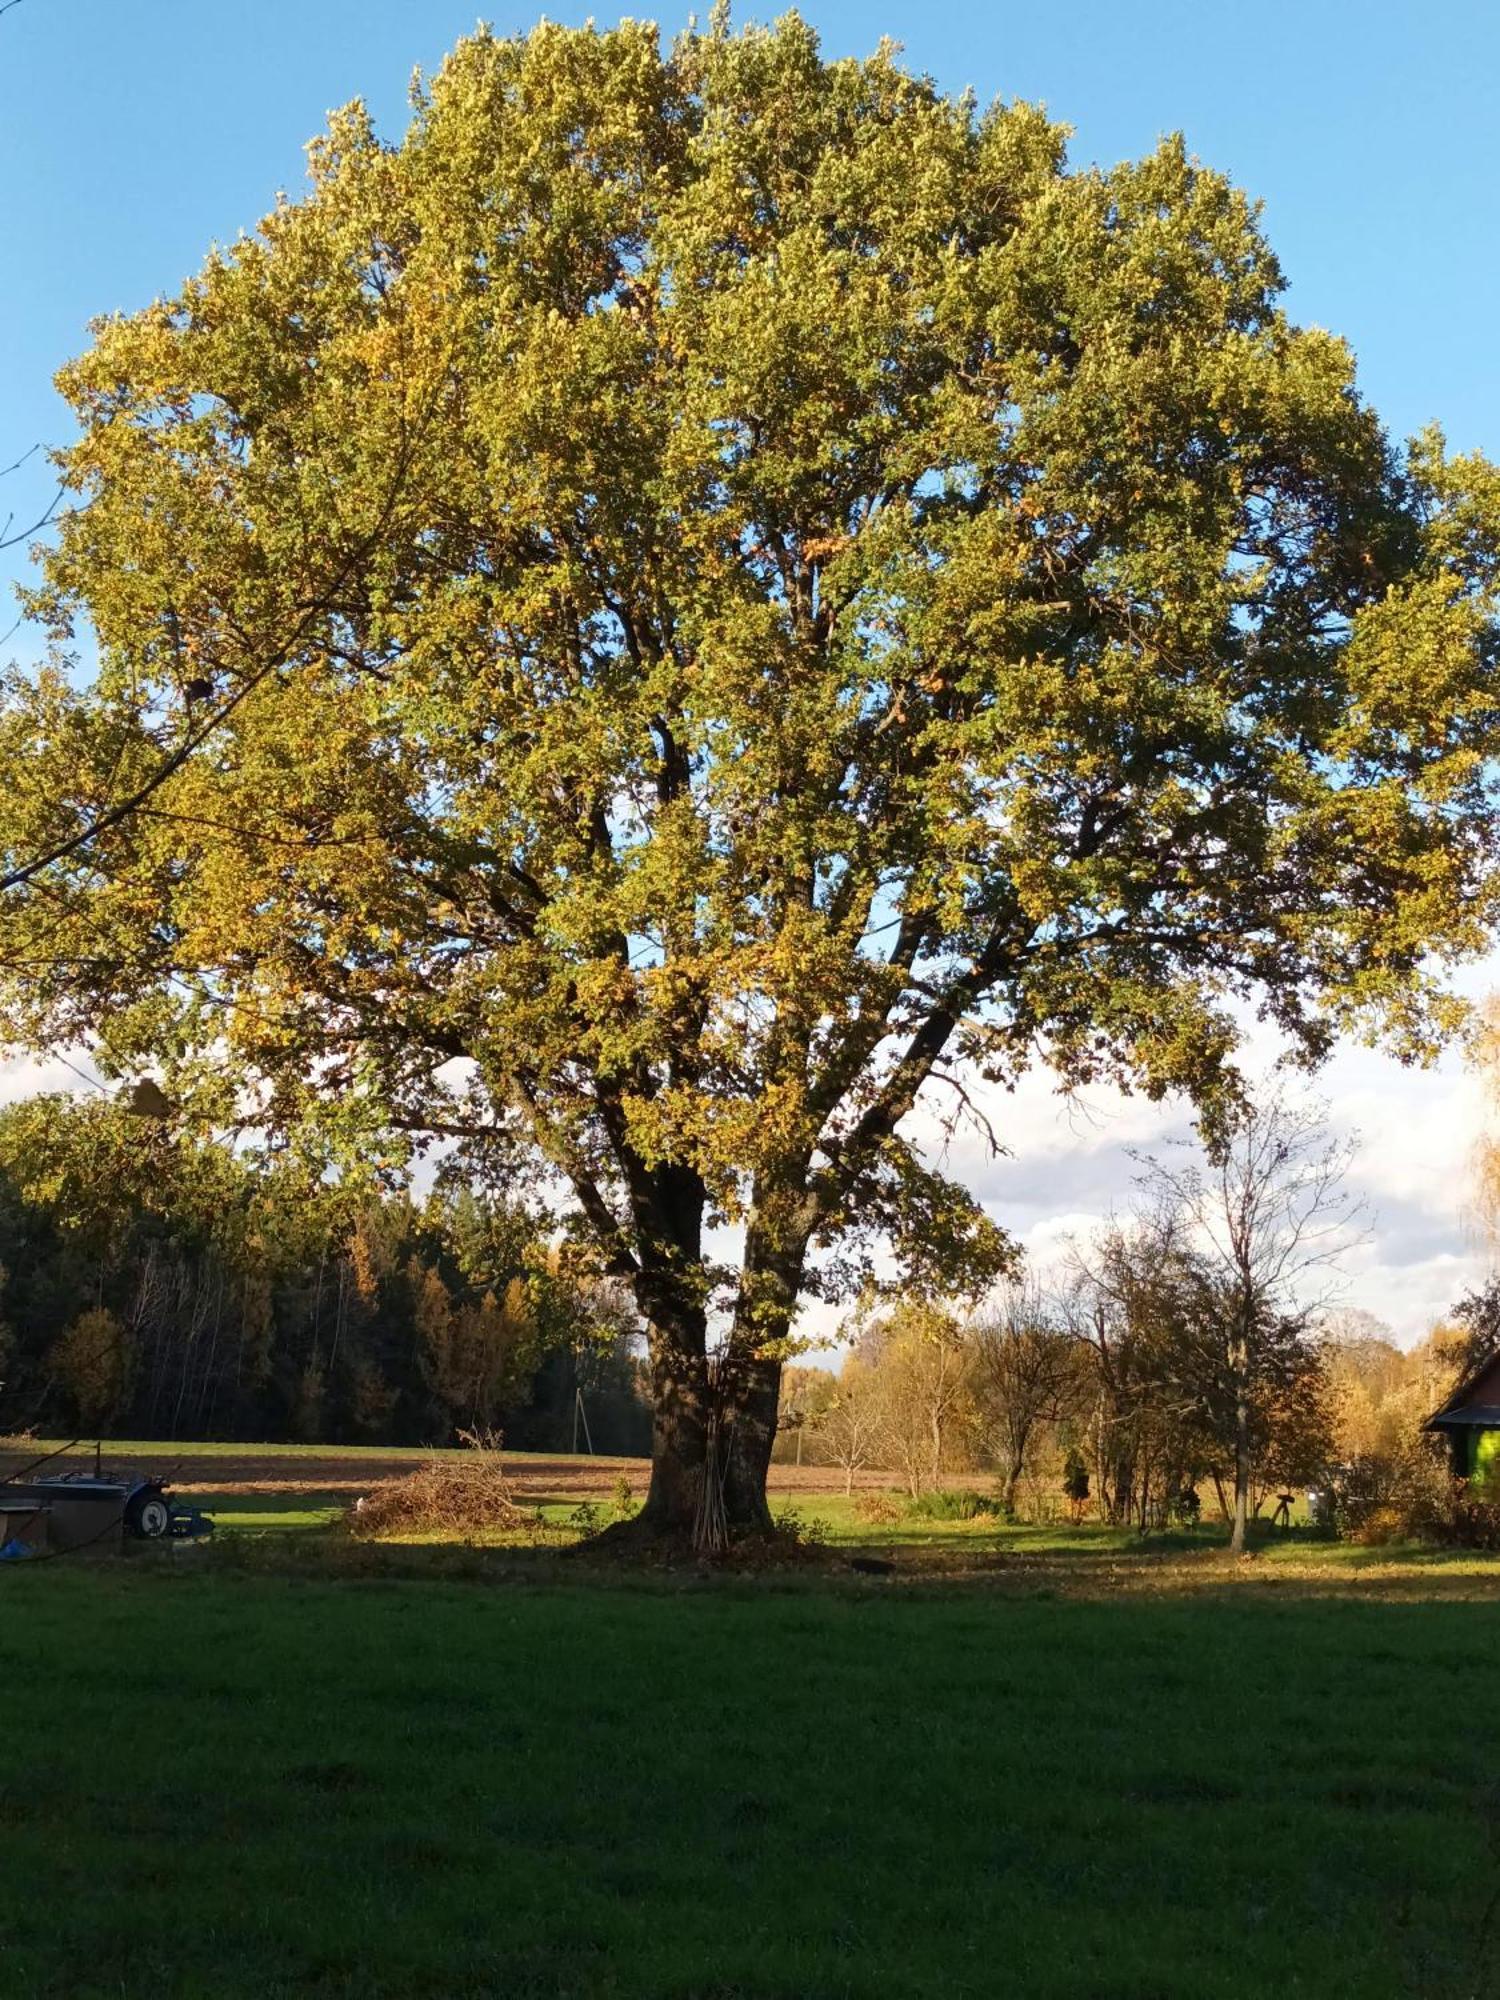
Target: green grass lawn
x,y
263,1513
236,1512
227,1780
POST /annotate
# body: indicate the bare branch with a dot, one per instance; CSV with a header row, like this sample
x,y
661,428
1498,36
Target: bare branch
x,y
9,541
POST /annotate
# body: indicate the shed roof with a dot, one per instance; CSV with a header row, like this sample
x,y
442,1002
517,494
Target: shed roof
x,y
1475,1402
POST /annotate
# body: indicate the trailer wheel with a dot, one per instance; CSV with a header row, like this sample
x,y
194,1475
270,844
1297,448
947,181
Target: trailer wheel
x,y
148,1516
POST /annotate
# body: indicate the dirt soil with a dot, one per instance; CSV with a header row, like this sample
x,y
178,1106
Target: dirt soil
x,y
535,1475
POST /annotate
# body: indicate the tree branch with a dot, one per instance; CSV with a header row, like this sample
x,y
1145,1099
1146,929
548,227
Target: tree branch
x,y
115,815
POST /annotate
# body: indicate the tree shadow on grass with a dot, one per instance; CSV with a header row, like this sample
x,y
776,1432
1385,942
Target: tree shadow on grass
x,y
1091,1566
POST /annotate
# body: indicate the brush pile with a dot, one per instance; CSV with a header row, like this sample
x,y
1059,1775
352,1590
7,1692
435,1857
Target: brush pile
x,y
466,1493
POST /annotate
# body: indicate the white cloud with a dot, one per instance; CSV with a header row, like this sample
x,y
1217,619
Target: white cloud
x,y
1416,1133
30,1076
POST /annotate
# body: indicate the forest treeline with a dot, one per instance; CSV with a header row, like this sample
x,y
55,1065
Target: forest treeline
x,y
152,1285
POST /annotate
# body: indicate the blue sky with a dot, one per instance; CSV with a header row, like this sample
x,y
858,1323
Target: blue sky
x,y
136,132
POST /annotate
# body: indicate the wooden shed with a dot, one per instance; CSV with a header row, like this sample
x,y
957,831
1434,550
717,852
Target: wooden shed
x,y
1470,1420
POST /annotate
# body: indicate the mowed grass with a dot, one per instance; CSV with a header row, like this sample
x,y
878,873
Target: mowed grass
x,y
237,1512
222,1781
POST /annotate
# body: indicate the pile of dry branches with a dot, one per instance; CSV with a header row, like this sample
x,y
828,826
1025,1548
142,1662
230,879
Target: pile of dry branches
x,y
463,1494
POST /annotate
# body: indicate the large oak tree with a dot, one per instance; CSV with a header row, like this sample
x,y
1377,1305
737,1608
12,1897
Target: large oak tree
x,y
699,592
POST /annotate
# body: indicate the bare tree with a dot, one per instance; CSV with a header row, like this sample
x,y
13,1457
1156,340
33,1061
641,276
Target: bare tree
x,y
921,1358
849,1426
1120,1310
1260,1226
1026,1375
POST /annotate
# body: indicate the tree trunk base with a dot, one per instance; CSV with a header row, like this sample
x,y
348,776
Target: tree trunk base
x,y
646,1543
637,1540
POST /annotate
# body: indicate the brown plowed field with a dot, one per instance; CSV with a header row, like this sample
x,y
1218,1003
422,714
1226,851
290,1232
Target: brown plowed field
x,y
248,1469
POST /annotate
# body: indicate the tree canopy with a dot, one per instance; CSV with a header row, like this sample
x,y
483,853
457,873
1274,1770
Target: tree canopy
x,y
700,591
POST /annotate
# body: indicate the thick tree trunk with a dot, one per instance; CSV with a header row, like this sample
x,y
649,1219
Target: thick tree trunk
x,y
752,1395
689,1448
713,1426
679,1430
775,1249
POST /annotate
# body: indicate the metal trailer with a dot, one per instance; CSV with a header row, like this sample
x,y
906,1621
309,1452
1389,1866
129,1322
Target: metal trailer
x,y
65,1511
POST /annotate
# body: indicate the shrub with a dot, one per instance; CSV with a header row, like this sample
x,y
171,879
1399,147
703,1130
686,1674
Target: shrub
x,y
624,1497
801,1533
877,1508
1472,1521
944,1505
1184,1506
1379,1526
1383,1496
463,1495
584,1520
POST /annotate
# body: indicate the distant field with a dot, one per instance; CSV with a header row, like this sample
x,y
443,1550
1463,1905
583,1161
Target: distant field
x,y
351,1469
332,1468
